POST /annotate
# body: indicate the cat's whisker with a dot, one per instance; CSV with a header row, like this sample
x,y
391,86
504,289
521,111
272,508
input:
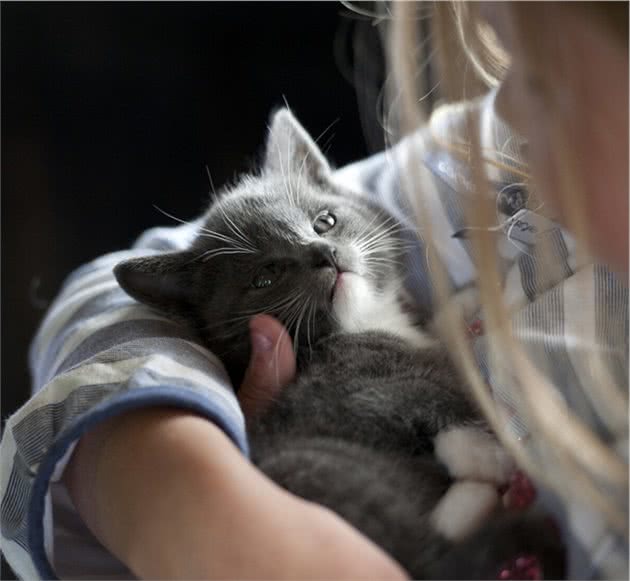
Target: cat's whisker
x,y
380,249
296,339
206,233
365,231
235,229
381,232
226,250
383,261
276,309
395,254
375,265
379,256
311,315
242,316
212,190
238,232
242,249
290,313
288,325
390,222
365,228
378,267
284,310
228,322
174,217
383,244
398,261
291,309
380,240
393,243
387,237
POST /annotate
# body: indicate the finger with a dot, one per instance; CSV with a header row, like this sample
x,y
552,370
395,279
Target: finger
x,y
271,366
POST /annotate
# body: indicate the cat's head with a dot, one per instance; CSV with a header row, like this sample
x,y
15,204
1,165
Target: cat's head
x,y
287,242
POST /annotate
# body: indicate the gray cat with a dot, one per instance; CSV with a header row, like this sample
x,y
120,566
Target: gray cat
x,y
377,426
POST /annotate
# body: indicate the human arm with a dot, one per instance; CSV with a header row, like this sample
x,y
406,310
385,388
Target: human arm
x,y
98,357
211,513
182,502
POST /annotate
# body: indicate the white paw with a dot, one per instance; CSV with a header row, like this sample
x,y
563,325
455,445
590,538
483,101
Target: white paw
x,y
464,508
472,454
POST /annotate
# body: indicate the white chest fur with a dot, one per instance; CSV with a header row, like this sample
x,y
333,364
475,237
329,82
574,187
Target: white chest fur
x,y
358,307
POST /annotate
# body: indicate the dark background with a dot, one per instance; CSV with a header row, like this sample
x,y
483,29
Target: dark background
x,y
108,109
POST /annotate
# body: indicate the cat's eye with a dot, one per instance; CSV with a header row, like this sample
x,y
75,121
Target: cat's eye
x,y
266,276
324,222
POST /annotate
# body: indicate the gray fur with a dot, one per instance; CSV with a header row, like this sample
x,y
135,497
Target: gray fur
x,y
355,431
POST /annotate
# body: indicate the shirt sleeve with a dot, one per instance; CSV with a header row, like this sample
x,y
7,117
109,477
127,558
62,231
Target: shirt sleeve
x,y
96,355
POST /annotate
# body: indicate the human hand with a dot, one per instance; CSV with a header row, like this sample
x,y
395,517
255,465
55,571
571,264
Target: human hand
x,y
271,366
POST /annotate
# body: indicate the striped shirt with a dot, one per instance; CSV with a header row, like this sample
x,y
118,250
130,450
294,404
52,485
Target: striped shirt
x,y
98,354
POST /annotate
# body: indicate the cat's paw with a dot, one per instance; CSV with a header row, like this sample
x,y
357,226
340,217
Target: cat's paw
x,y
470,453
464,508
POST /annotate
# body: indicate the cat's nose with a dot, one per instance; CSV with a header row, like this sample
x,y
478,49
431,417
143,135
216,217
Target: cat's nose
x,y
323,255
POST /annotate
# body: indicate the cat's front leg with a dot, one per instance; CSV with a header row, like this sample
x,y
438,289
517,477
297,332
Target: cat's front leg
x,y
471,453
479,465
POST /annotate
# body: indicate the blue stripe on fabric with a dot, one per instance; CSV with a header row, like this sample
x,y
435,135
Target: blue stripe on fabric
x,y
115,335
125,402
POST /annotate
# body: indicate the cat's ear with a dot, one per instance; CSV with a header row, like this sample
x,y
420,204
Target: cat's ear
x,y
163,281
290,149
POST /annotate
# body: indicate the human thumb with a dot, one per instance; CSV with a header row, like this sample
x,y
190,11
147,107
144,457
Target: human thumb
x,y
271,365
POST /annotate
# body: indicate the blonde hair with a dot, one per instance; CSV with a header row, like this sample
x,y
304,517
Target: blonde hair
x,y
564,452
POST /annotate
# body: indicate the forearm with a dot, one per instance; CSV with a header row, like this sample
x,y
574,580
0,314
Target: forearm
x,y
145,483
172,497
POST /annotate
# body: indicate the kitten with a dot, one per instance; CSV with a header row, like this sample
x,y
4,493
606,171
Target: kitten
x,y
377,425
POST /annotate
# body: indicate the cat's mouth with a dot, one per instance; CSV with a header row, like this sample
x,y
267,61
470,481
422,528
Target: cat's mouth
x,y
336,282
341,283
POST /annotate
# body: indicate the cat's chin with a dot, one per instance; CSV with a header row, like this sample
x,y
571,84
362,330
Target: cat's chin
x,y
358,306
348,286
353,300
